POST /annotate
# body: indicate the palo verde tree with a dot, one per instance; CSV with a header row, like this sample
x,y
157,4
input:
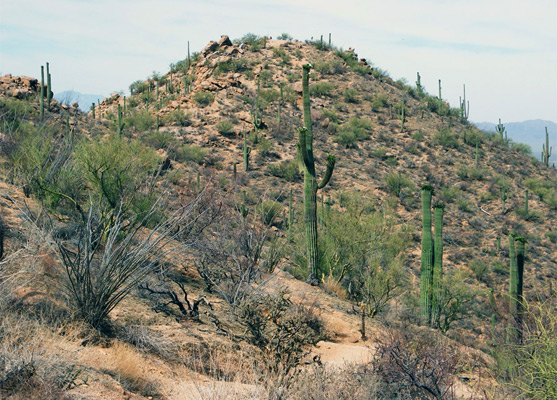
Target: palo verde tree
x,y
310,181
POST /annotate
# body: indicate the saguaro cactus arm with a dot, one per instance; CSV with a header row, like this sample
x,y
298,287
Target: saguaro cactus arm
x,y
331,161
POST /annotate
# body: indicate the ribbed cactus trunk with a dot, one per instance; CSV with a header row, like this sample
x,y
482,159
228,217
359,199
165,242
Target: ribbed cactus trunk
x,y
437,264
49,87
41,98
513,286
426,275
518,307
310,181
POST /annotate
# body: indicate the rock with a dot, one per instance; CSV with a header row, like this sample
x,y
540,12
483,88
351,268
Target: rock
x,y
224,41
325,123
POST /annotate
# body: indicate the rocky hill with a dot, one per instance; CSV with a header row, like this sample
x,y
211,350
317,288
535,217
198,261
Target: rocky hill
x,y
389,138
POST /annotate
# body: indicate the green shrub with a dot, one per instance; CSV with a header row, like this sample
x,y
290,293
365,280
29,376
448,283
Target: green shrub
x,y
331,114
264,146
322,89
397,183
284,36
446,138
269,211
225,127
330,67
231,65
418,136
464,204
115,168
254,42
140,120
351,95
177,117
294,77
268,96
379,152
279,52
479,268
287,169
160,139
138,87
472,173
188,152
353,130
203,98
379,101
522,148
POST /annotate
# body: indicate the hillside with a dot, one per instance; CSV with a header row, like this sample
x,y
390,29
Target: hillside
x,y
389,138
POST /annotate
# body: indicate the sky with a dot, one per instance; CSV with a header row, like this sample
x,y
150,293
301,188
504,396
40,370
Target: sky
x,y
504,51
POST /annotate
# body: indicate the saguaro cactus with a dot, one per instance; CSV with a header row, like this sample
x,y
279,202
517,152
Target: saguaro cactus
x,y
120,123
93,109
49,87
310,182
419,86
426,273
41,98
246,151
546,150
438,210
516,255
500,129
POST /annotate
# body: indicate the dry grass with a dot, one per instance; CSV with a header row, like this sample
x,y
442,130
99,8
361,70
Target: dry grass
x,y
127,368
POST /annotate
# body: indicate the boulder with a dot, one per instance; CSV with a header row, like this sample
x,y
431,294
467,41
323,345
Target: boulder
x,y
224,41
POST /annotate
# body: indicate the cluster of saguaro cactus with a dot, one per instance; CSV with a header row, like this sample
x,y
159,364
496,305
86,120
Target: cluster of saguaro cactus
x,y
500,129
546,150
310,181
516,255
419,86
464,105
431,273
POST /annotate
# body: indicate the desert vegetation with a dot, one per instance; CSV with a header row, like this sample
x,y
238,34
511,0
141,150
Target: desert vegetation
x,y
374,244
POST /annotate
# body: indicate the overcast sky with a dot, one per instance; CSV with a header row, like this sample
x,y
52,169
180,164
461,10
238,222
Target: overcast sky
x,y
504,51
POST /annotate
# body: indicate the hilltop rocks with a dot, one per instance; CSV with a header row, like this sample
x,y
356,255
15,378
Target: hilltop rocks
x,y
20,87
224,41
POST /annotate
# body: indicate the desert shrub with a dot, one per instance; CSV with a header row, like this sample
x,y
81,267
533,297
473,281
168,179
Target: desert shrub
x,y
287,169
140,120
264,146
379,101
416,365
353,130
115,169
187,152
284,331
522,148
177,117
364,251
446,138
322,89
254,42
225,127
138,87
331,114
279,52
159,139
545,189
294,77
397,183
479,268
234,254
472,173
329,67
284,36
350,95
231,65
269,211
449,193
268,96
529,369
203,98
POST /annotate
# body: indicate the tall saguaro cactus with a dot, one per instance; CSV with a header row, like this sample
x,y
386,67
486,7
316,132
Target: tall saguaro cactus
x,y
49,87
41,98
310,181
438,210
426,273
516,254
546,150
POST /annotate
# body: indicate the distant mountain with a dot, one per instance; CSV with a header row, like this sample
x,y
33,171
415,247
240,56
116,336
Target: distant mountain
x,y
531,132
84,100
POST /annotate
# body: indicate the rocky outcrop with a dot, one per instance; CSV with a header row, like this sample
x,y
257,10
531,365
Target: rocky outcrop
x,y
20,87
